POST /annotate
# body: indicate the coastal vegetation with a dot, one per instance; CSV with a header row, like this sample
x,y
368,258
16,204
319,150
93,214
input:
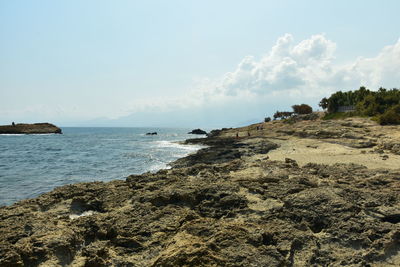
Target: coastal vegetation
x,y
302,109
267,119
382,105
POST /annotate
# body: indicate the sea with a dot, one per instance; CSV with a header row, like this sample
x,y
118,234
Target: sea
x,y
34,164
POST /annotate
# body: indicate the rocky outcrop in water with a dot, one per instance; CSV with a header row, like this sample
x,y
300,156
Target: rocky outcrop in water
x,y
226,205
197,131
36,128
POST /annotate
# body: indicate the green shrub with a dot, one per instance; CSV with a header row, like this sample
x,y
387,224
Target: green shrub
x,y
302,109
368,106
390,116
376,104
282,114
339,115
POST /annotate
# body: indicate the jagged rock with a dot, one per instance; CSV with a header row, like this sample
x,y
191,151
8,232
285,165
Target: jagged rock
x,y
197,131
391,146
214,133
291,162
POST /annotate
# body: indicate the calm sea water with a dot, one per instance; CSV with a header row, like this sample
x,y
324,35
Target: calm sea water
x,y
33,164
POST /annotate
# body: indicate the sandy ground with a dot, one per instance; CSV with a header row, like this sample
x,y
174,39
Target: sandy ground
x,y
322,150
310,150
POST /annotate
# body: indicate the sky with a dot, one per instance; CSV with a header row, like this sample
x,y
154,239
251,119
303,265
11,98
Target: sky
x,y
184,63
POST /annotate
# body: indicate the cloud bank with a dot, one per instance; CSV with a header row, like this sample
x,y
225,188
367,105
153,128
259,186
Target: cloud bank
x,y
291,71
307,69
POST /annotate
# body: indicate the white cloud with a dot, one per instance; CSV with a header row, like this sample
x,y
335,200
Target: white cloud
x,y
290,72
382,70
317,49
288,67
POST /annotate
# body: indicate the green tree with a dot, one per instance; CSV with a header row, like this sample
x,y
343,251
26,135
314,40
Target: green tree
x,y
368,106
302,109
390,116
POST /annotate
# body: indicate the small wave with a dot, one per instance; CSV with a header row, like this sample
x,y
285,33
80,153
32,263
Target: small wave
x,y
159,166
174,144
171,135
53,149
161,135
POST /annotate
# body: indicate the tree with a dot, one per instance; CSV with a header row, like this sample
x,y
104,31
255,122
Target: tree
x,y
282,114
383,104
391,116
368,106
302,109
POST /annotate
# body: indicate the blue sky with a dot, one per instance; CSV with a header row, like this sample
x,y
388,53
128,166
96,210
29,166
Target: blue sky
x,y
187,63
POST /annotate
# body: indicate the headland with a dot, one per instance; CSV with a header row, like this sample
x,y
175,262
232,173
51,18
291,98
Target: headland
x,y
25,128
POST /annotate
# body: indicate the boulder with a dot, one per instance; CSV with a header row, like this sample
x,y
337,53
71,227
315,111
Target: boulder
x,y
197,131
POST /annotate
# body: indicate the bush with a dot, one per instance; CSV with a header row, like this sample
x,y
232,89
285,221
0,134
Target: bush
x,y
267,119
304,117
368,106
367,103
340,98
390,116
282,114
339,115
302,109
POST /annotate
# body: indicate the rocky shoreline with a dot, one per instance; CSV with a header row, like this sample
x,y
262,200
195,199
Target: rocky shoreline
x,y
229,204
35,128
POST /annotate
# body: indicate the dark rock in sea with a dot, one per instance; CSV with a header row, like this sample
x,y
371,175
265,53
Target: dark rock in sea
x,y
197,131
153,133
24,128
222,150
